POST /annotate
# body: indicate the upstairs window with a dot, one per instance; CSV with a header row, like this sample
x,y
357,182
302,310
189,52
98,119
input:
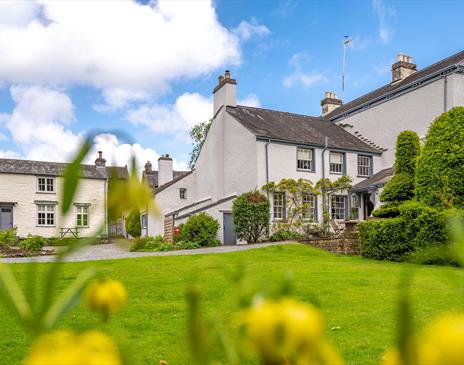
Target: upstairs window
x,y
279,205
46,184
364,166
82,217
336,160
45,215
183,193
305,159
309,211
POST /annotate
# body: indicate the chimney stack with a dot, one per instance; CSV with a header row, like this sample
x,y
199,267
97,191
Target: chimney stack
x,y
100,161
225,92
165,173
402,68
330,103
148,168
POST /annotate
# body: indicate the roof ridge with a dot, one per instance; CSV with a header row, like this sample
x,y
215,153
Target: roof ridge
x,y
279,111
54,162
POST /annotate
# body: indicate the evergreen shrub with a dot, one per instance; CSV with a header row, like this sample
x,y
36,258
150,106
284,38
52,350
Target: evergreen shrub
x,y
251,216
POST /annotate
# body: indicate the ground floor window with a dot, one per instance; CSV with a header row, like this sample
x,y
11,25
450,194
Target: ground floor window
x,y
45,214
144,221
338,206
82,217
309,211
279,205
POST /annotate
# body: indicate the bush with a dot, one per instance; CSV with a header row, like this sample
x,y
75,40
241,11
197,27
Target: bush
x,y
387,210
440,168
185,245
401,185
155,244
33,243
286,236
201,229
8,237
385,239
133,226
251,216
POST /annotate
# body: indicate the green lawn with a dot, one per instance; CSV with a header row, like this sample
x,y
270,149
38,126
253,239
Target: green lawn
x,y
357,295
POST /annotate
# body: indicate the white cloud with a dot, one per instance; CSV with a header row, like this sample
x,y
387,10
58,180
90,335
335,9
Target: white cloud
x,y
188,110
299,76
359,43
39,124
384,14
246,30
123,48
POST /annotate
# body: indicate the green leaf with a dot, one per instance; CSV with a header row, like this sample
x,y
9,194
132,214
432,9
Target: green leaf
x,y
72,174
13,297
68,300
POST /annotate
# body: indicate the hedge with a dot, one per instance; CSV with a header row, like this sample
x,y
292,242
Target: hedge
x,y
440,168
201,229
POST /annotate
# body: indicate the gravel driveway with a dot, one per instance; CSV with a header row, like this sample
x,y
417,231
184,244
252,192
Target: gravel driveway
x,y
114,251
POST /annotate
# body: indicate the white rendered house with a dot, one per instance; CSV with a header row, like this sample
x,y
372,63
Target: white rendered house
x,y
247,147
30,194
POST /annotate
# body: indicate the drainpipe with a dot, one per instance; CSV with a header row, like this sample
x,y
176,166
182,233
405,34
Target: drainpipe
x,y
323,173
445,93
105,206
266,147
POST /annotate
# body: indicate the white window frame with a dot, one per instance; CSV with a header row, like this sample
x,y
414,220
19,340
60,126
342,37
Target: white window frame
x,y
82,210
279,211
338,211
335,167
183,193
45,215
310,214
303,164
47,182
363,169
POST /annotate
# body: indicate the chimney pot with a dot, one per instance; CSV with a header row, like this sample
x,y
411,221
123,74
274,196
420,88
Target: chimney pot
x,y
148,168
100,161
402,68
330,103
227,74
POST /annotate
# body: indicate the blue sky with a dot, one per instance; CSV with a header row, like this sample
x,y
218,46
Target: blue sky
x,y
148,68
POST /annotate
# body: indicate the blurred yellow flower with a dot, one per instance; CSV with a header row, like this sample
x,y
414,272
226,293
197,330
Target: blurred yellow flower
x,y
66,348
105,296
288,332
442,341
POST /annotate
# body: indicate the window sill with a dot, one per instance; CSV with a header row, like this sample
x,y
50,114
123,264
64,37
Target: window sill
x,y
335,173
45,192
44,226
364,176
304,170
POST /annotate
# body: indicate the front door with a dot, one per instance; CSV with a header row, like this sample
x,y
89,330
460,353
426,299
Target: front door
x,y
229,229
367,205
6,217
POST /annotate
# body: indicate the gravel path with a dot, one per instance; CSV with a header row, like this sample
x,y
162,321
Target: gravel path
x,y
113,251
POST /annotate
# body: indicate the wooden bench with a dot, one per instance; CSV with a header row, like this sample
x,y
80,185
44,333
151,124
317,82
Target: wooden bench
x,y
72,231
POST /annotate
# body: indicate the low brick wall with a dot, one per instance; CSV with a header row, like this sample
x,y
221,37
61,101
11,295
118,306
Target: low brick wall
x,y
345,246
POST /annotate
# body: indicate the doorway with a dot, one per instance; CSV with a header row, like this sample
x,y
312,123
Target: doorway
x,y
230,238
6,217
368,206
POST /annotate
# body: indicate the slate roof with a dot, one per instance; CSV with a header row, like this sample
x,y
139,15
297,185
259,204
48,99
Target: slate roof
x,y
152,178
296,128
378,179
373,96
44,168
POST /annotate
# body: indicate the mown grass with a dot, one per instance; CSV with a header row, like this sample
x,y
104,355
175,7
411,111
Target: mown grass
x,y
358,297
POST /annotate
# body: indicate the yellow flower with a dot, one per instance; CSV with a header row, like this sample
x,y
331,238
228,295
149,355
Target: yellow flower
x,y
442,342
66,348
105,296
391,357
285,329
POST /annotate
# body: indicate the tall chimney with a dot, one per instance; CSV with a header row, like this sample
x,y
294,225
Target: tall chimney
x,y
225,92
330,103
165,173
148,168
100,161
402,68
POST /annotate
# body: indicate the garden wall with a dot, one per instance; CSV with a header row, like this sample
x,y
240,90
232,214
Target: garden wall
x,y
345,246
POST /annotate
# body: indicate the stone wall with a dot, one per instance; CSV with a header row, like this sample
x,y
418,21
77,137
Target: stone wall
x,y
345,246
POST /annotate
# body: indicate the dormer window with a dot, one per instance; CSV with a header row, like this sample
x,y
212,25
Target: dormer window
x,y
45,184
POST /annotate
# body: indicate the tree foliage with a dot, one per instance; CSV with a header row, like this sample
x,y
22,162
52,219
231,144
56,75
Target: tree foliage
x,y
198,135
401,186
440,168
133,226
251,216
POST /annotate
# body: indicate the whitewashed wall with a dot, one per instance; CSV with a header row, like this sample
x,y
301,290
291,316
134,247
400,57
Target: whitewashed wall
x,y
22,189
